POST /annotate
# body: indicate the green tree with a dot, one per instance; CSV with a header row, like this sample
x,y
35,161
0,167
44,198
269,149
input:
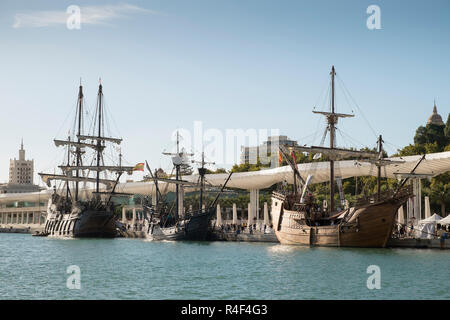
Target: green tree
x,y
218,170
440,193
245,167
431,133
447,127
432,147
411,150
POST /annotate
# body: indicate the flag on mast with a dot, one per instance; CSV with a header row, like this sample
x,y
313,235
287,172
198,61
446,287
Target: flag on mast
x,y
293,158
139,167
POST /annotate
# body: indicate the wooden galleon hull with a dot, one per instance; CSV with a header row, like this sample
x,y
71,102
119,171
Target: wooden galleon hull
x,y
194,228
369,226
87,224
375,226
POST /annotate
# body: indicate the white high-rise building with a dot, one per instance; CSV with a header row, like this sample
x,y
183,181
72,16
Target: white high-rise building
x,y
21,171
264,152
21,181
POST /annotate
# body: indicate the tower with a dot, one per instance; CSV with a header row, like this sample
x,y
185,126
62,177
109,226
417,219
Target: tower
x,y
21,152
21,170
435,117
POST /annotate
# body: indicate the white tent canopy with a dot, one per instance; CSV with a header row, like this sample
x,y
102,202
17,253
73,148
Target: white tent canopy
x,y
433,219
445,220
432,165
426,227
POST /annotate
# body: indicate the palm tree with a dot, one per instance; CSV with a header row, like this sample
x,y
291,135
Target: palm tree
x,y
440,193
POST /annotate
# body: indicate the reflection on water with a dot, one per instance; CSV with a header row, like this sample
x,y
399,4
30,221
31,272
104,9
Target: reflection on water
x,y
281,248
35,268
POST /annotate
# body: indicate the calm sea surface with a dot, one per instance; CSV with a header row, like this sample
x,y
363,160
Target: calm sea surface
x,y
35,268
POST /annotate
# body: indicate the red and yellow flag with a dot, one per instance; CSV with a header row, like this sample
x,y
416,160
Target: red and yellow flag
x,y
280,158
293,157
139,167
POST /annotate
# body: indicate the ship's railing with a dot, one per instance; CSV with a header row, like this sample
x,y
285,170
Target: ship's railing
x,y
279,195
404,193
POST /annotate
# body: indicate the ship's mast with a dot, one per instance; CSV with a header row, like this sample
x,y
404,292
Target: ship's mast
x,y
202,172
78,151
99,141
177,173
80,144
338,153
332,123
202,181
156,187
68,163
332,119
380,150
177,159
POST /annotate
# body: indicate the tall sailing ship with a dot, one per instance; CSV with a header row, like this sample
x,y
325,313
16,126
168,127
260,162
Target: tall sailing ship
x,y
170,222
81,212
298,220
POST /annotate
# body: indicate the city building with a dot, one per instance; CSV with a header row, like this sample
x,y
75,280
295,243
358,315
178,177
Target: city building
x,y
21,173
263,151
21,181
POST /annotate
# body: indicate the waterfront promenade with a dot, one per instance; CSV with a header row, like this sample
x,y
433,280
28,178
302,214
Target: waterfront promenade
x,y
21,228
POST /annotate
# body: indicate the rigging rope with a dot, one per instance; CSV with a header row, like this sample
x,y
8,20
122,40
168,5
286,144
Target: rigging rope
x,y
357,106
364,188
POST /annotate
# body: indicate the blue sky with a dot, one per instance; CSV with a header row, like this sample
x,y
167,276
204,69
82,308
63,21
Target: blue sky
x,y
230,64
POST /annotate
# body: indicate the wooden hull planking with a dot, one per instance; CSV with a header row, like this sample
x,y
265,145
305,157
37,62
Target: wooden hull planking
x,y
87,224
368,226
194,228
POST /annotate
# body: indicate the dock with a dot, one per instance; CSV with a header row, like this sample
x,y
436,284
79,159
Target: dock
x,y
219,235
418,243
133,234
21,228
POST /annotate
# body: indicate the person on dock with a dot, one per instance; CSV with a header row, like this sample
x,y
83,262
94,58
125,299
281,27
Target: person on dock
x,y
411,229
442,234
402,230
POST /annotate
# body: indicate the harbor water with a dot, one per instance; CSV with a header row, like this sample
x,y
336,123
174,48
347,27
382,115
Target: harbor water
x,y
36,268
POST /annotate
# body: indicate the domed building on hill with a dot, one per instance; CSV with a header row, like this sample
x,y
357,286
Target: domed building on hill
x,y
435,118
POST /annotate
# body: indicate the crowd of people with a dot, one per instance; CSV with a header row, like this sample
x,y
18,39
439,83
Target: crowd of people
x,y
232,228
441,231
244,228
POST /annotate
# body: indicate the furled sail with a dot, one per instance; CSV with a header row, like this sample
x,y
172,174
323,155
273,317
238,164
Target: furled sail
x,y
129,170
337,153
113,140
59,143
49,177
